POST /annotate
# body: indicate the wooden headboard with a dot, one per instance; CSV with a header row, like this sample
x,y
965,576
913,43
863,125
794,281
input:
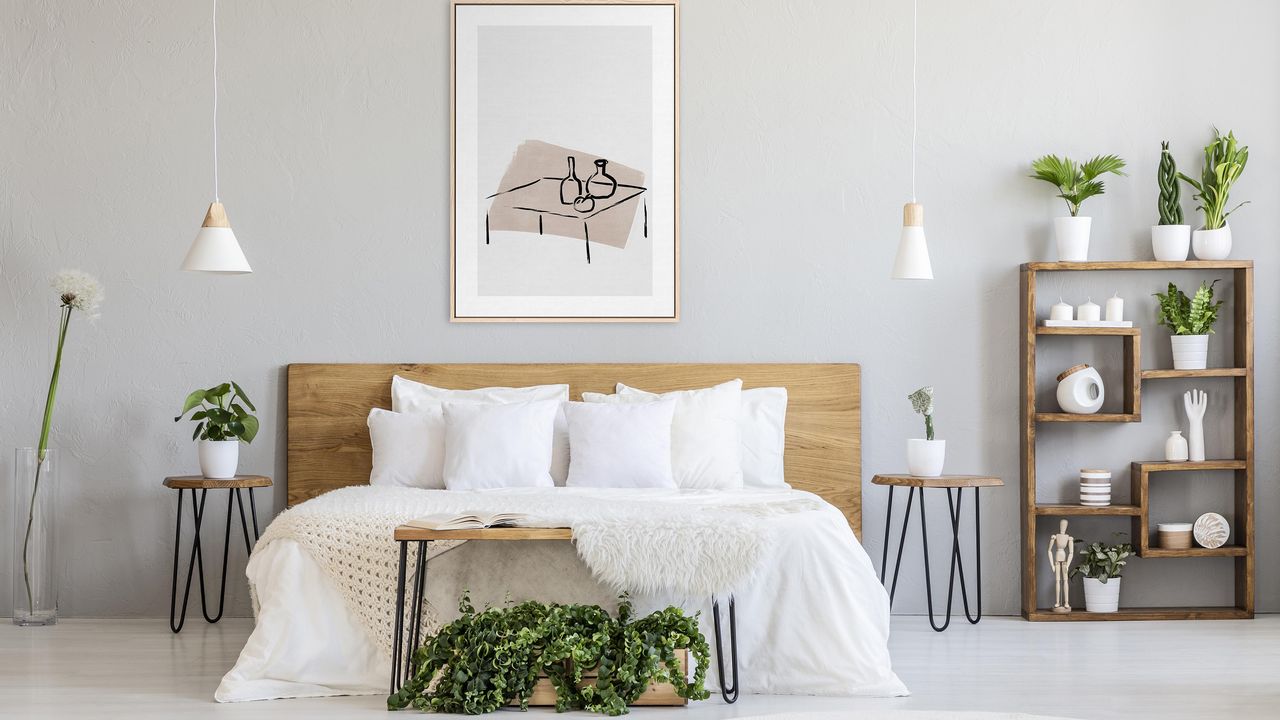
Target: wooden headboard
x,y
328,404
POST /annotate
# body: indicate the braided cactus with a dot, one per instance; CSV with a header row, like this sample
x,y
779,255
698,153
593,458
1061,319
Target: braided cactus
x,y
1170,197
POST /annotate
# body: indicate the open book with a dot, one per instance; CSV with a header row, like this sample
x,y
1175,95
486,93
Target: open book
x,y
468,521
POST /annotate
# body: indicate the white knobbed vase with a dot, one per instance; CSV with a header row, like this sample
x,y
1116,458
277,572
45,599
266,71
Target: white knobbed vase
x,y
1190,352
219,458
1100,597
925,458
1170,243
1212,244
1072,237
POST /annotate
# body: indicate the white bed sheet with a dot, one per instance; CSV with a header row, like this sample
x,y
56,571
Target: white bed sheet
x,y
813,620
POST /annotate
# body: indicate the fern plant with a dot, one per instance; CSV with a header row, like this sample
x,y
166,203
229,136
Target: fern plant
x,y
1224,161
1170,202
1189,316
1076,182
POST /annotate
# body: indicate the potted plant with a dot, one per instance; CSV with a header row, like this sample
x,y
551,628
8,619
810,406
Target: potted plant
x,y
222,423
925,457
1100,565
1170,239
1076,183
1191,321
1224,161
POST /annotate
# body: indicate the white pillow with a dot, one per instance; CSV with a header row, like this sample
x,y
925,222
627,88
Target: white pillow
x,y
625,445
408,449
764,436
706,450
498,445
409,396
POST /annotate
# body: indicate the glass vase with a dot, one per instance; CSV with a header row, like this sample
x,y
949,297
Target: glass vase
x,y
35,587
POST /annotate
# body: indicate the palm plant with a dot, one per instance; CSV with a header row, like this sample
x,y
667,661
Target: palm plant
x,y
1224,161
1076,182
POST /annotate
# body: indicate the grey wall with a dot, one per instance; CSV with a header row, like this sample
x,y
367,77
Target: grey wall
x,y
335,129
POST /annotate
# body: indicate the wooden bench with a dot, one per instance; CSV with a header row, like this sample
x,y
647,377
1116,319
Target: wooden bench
x,y
402,662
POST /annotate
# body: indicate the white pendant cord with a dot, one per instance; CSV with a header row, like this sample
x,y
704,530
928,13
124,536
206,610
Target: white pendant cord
x,y
215,101
915,12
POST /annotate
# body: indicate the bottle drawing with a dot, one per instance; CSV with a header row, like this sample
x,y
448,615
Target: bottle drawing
x,y
601,185
570,186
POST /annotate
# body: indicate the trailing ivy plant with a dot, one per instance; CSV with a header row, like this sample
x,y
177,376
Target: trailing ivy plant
x,y
1076,182
486,659
1103,562
1170,202
1189,316
219,414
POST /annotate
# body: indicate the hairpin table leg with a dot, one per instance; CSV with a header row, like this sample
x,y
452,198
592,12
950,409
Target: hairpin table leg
x,y
902,540
397,635
415,607
957,559
728,692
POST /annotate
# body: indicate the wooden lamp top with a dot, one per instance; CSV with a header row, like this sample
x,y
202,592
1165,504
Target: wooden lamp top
x,y
216,217
913,215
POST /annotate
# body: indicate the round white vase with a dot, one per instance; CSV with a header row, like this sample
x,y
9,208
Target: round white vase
x,y
1176,448
1212,244
1170,243
219,458
1072,237
1190,352
1100,597
1080,390
926,457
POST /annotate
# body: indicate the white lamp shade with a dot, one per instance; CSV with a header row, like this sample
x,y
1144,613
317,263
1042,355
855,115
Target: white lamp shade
x,y
912,262
215,249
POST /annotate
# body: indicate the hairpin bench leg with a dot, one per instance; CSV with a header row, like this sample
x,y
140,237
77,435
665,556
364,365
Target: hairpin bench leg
x,y
728,692
397,635
415,608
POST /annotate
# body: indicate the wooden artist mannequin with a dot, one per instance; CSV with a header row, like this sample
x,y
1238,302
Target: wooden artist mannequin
x,y
1062,550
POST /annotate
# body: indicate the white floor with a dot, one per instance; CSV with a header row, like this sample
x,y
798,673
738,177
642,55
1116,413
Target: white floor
x,y
1212,669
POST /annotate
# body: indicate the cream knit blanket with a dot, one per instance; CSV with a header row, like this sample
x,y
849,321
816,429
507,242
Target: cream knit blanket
x,y
693,543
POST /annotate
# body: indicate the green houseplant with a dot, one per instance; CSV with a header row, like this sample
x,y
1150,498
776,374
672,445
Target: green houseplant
x,y
1101,565
1076,182
486,659
222,423
1224,162
1170,238
926,457
1191,320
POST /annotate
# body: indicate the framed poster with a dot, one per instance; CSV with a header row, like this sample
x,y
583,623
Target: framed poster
x,y
565,194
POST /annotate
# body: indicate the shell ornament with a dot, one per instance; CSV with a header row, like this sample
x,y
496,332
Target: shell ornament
x,y
1211,530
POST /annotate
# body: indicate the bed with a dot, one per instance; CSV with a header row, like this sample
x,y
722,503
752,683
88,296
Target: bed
x,y
813,620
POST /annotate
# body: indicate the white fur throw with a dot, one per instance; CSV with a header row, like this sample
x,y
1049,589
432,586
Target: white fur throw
x,y
641,541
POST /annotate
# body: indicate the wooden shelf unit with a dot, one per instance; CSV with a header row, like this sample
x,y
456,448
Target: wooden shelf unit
x,y
1242,551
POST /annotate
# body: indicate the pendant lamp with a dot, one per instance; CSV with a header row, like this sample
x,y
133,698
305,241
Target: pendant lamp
x,y
912,261
215,249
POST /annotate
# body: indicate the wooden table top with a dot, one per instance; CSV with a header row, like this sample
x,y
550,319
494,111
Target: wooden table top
x,y
411,532
199,482
941,481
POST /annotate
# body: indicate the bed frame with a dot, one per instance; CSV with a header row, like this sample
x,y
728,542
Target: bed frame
x,y
329,446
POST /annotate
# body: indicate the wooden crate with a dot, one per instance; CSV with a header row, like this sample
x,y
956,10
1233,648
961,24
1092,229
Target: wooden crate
x,y
544,693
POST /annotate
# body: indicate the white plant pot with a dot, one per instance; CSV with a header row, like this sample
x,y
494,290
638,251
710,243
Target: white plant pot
x,y
1170,243
219,458
1212,244
1100,597
1190,352
1072,236
926,457
1080,390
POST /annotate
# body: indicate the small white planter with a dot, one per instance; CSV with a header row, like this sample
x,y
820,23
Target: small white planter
x,y
926,457
1100,597
1072,236
1190,352
1212,244
219,458
1170,243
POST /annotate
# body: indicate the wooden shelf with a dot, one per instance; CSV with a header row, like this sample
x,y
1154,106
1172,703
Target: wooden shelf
x,y
1142,613
1195,552
1042,330
1061,417
1161,466
1139,265
1073,510
1209,373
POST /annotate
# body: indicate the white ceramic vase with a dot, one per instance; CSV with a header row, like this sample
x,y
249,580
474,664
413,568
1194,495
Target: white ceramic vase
x,y
1100,597
219,458
1170,243
1190,352
1072,237
1212,244
1175,448
926,457
1080,390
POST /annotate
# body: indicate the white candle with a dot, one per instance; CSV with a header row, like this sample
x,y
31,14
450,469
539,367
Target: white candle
x,y
1115,308
1061,311
1089,312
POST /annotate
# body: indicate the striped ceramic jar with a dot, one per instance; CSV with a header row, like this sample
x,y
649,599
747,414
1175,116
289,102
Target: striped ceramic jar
x,y
1095,488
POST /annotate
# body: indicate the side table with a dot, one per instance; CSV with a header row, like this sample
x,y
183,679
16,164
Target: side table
x,y
193,483
955,486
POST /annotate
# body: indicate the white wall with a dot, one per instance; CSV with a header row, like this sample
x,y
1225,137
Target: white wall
x,y
335,120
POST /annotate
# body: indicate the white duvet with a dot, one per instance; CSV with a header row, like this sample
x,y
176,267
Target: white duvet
x,y
812,615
